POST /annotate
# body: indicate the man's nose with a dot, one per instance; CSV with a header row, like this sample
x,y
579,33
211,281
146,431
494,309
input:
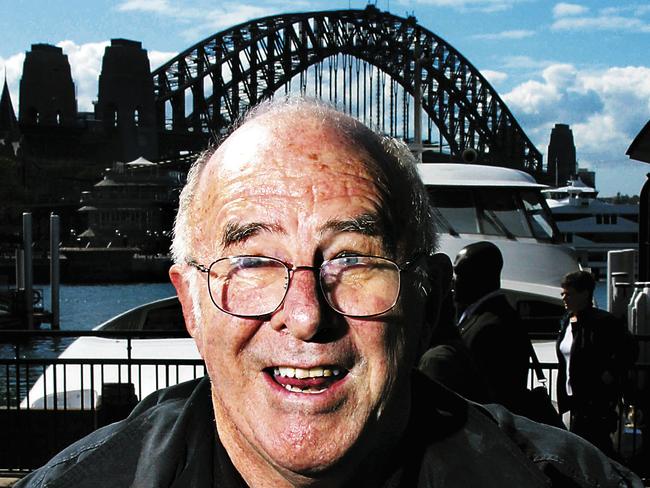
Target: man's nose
x,y
301,311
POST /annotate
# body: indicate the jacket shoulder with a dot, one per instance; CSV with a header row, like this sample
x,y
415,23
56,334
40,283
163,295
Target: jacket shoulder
x,y
565,458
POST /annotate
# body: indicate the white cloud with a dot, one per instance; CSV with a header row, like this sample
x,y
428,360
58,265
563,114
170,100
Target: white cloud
x,y
158,58
523,62
603,22
624,93
231,14
485,6
509,35
158,6
634,10
532,97
85,65
494,77
605,109
203,20
628,18
567,9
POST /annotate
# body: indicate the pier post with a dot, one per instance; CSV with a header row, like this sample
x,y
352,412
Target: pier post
x,y
644,231
20,269
620,270
28,270
55,276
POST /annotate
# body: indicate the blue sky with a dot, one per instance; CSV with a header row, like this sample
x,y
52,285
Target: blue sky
x,y
581,63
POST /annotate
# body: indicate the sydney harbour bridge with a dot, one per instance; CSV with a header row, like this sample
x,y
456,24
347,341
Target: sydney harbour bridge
x,y
385,70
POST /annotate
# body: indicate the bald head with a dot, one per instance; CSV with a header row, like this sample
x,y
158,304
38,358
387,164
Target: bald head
x,y
311,133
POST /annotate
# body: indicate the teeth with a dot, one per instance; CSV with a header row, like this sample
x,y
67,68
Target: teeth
x,y
301,373
286,372
310,391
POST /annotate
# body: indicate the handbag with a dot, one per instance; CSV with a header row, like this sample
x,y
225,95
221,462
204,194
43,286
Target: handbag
x,y
538,405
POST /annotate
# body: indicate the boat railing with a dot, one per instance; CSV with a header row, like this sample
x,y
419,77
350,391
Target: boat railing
x,y
80,395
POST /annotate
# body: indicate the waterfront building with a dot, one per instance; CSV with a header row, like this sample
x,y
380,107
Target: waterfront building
x,y
47,92
561,155
132,206
125,103
59,152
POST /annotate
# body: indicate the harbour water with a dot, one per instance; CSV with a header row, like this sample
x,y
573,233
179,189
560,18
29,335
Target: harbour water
x,y
82,308
86,306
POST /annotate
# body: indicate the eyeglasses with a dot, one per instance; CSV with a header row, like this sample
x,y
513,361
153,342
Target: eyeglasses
x,y
256,286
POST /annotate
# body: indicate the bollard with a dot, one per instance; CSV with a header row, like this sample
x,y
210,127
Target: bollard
x,y
28,270
55,275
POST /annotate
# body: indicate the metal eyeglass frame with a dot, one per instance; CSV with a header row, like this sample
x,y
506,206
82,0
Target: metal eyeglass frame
x,y
291,268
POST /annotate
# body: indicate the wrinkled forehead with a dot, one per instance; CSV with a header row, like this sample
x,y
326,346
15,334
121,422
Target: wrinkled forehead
x,y
289,142
309,157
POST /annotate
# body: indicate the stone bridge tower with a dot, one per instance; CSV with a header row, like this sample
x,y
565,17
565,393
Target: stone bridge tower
x,y
125,104
47,94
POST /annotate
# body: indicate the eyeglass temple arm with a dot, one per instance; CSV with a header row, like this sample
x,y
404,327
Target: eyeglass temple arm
x,y
412,262
198,266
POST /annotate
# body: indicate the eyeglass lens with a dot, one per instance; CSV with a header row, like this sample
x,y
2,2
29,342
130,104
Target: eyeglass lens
x,y
256,285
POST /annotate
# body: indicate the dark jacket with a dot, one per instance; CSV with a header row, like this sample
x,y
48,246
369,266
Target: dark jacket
x,y
448,361
601,344
170,440
498,344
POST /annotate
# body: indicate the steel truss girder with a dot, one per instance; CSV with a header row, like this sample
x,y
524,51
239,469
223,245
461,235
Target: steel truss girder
x,y
247,63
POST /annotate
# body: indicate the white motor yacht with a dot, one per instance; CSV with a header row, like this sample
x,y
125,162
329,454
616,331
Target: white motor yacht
x,y
505,206
471,203
592,226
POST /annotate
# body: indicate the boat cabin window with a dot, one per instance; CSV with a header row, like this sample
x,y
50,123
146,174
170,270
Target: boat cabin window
x,y
539,215
167,318
499,213
507,212
454,210
540,317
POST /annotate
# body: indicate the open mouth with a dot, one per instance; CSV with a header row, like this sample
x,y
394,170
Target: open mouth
x,y
309,381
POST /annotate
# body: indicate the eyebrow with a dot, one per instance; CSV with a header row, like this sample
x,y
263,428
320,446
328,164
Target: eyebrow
x,y
238,232
366,224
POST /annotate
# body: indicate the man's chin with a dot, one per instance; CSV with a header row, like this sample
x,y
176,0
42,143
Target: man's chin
x,y
313,446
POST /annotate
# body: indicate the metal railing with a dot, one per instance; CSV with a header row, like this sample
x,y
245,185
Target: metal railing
x,y
46,403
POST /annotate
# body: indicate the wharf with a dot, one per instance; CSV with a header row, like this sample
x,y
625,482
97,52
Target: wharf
x,y
13,314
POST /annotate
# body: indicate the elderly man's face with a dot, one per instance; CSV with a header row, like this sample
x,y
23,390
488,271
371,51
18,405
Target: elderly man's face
x,y
288,193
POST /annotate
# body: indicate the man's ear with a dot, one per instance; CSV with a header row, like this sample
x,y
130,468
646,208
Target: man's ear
x,y
440,272
182,286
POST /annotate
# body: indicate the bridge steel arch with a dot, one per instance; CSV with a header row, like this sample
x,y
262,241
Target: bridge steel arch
x,y
225,74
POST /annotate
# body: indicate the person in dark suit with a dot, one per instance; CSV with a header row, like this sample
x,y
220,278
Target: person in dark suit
x,y
594,351
447,360
489,327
